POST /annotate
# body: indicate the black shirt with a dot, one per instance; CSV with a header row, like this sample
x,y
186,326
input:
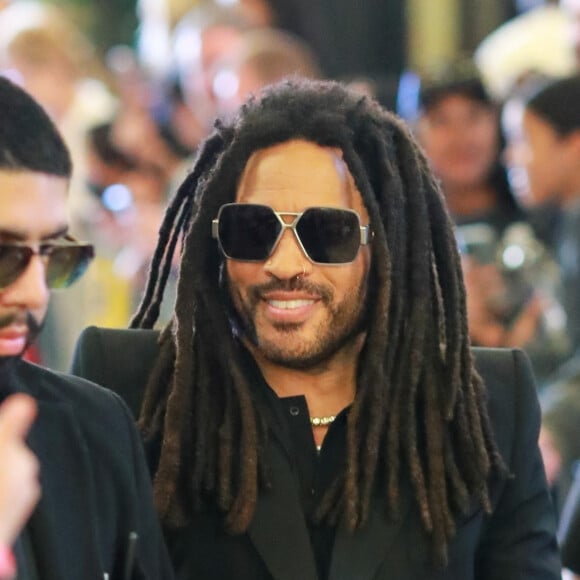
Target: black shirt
x,y
289,422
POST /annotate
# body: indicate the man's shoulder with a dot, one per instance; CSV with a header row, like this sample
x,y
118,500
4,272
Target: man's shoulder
x,y
98,413
103,348
120,360
506,373
56,387
500,363
510,390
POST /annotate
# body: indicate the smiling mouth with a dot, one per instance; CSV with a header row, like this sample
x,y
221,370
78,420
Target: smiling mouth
x,y
290,304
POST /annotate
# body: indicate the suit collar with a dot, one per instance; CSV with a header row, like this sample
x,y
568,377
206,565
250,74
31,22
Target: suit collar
x,y
278,529
360,554
279,532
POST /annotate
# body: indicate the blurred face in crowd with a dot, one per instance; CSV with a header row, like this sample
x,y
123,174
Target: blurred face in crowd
x,y
460,138
550,160
197,52
32,211
296,313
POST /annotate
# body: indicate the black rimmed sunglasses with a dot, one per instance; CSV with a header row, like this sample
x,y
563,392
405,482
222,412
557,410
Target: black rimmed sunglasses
x,y
250,232
66,261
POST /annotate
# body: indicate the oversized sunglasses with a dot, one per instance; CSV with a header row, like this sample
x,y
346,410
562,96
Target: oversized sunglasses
x,y
327,235
66,261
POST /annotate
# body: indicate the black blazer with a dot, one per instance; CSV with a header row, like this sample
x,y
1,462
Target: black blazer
x,y
95,484
517,541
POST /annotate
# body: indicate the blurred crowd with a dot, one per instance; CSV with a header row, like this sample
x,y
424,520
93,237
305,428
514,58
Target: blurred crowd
x,y
500,128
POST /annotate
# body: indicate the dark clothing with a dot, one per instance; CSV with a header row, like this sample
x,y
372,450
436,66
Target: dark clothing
x,y
290,423
517,540
95,485
315,472
569,530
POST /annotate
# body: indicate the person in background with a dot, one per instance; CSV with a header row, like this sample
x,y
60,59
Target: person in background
x,y
44,51
314,410
550,157
510,275
560,436
265,56
551,131
456,122
95,518
206,33
132,200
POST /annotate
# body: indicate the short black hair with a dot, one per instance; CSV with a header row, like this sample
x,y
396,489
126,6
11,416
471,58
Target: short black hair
x,y
29,140
557,103
459,77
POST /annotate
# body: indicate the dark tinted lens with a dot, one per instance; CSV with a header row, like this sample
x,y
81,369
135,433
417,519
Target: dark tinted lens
x,y
66,264
247,232
13,261
329,236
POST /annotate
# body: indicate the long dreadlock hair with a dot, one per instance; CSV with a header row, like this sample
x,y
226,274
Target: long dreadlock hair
x,y
420,406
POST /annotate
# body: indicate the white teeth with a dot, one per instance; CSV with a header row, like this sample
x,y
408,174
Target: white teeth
x,y
289,304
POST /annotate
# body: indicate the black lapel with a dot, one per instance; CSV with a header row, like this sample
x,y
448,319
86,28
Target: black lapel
x,y
359,554
278,529
63,525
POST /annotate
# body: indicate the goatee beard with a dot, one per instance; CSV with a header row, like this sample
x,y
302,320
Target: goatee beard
x,y
26,318
346,321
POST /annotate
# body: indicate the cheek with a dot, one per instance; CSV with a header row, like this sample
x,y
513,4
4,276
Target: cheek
x,y
241,275
40,313
541,171
489,142
434,144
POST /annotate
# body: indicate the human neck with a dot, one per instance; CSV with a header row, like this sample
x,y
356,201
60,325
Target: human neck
x,y
328,388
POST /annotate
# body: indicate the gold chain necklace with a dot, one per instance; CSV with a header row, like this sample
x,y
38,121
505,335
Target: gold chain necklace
x,y
322,421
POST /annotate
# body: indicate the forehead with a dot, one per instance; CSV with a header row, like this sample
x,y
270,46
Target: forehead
x,y
452,100
297,174
32,204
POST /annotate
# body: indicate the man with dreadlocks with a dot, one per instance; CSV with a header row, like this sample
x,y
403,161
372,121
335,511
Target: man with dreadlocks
x,y
314,410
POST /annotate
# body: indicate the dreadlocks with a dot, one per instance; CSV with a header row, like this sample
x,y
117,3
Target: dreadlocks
x,y
420,407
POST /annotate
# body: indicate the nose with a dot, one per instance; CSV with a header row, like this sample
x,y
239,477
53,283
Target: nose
x,y
288,259
29,290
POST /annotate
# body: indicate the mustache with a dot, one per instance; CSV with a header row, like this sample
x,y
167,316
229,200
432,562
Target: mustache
x,y
25,318
291,285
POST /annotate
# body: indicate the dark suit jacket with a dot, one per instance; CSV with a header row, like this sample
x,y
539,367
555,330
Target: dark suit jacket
x,y
569,531
95,484
517,541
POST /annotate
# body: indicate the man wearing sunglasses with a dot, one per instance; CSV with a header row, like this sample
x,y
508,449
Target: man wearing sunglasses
x,y
314,410
95,518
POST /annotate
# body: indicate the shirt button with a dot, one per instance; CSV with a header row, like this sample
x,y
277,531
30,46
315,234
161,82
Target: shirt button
x,y
294,411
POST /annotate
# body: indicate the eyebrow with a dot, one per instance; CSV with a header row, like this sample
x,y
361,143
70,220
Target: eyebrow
x,y
20,236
